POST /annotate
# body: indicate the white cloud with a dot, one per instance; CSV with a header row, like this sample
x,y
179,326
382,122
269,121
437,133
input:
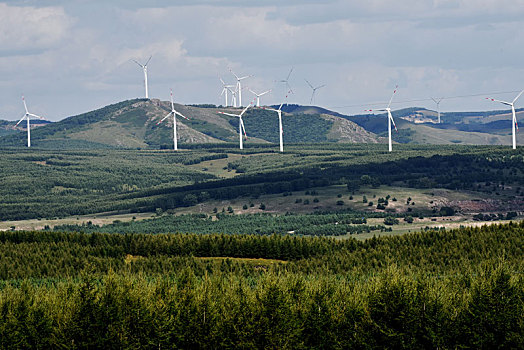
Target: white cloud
x,y
30,28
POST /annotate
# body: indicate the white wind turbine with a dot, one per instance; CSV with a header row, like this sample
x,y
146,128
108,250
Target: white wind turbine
x,y
280,127
286,81
225,89
437,101
144,67
390,117
514,123
28,116
239,86
314,90
240,123
174,112
259,95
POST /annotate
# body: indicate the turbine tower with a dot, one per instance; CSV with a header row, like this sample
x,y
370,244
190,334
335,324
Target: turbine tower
x,y
280,127
258,95
514,124
28,116
239,86
240,124
390,118
314,90
225,89
144,67
174,112
437,101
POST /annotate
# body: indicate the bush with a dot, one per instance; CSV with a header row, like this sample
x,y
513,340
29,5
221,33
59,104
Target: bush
x,y
340,202
262,206
447,211
390,221
408,219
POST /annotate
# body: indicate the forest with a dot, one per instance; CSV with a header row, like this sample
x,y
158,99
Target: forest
x,y
456,289
42,183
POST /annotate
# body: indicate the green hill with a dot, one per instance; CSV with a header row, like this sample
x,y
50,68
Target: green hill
x,y
134,124
418,125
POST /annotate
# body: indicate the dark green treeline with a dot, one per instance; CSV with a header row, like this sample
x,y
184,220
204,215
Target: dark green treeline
x,y
457,289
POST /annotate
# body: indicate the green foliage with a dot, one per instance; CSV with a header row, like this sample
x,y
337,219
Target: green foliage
x,y
444,290
263,124
390,221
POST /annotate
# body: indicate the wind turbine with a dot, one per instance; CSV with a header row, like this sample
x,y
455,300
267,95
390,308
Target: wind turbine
x,y
174,121
390,117
286,81
27,116
280,128
514,123
314,90
258,95
240,123
144,67
239,86
225,89
437,101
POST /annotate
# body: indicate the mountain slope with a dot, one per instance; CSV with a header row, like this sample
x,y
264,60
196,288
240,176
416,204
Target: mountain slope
x,y
418,125
134,124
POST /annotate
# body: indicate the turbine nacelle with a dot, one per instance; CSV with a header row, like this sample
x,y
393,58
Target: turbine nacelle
x,y
514,123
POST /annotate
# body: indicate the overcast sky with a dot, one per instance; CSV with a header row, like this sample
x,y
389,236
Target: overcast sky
x,y
73,56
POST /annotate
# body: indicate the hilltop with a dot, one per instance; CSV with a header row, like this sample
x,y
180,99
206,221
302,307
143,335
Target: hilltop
x,y
133,124
419,126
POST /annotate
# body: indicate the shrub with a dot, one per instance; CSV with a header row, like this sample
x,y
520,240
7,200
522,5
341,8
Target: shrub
x,y
390,221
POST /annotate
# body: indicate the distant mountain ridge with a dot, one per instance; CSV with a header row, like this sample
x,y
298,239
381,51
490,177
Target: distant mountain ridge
x,y
134,124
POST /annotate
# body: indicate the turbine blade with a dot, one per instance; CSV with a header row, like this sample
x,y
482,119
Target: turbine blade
x,y
291,70
243,127
229,114
149,59
236,76
245,109
180,114
265,92
247,76
516,98
21,119
311,86
503,102
140,64
393,94
321,86
391,118
164,118
25,105
36,116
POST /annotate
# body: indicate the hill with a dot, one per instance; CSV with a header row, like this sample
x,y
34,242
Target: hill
x,y
418,125
9,127
133,124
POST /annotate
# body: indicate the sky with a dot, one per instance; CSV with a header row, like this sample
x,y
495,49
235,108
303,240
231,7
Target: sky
x,y
72,56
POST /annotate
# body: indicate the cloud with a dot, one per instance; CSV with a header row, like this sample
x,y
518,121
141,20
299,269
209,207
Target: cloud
x,y
25,29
